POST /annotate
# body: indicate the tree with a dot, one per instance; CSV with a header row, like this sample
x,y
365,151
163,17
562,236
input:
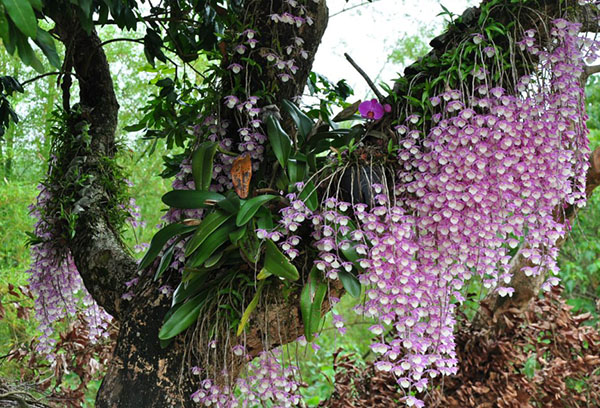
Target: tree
x,y
470,166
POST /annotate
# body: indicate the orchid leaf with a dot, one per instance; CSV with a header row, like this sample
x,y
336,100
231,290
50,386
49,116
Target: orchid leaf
x,y
311,302
351,284
202,165
191,199
160,239
183,317
277,263
209,224
302,122
210,244
250,207
279,140
250,308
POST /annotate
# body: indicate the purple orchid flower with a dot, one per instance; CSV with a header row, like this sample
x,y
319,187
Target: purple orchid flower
x,y
371,109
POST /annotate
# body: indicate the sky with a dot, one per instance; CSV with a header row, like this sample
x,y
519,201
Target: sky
x,y
368,34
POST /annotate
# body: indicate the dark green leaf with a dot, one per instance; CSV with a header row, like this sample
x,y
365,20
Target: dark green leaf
x,y
351,284
309,196
250,246
231,204
296,170
27,55
46,44
279,140
202,164
165,261
210,244
36,4
190,286
311,301
277,263
209,224
21,13
160,239
303,122
183,318
250,207
190,199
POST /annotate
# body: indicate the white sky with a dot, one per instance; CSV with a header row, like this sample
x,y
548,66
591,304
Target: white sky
x,y
368,34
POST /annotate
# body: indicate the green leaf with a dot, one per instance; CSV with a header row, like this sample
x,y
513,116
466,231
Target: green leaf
x,y
236,235
36,4
297,170
165,261
183,318
202,165
209,224
351,284
191,199
4,33
250,246
279,140
302,122
190,286
46,44
250,207
210,244
309,196
21,13
160,239
277,263
231,204
250,308
27,55
311,301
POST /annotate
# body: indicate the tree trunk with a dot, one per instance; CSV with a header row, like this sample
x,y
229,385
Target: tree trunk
x,y
142,373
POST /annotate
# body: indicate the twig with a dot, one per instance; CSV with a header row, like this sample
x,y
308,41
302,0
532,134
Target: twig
x,y
40,77
365,3
365,76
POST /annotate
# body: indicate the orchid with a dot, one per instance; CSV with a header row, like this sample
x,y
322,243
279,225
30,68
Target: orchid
x,y
371,109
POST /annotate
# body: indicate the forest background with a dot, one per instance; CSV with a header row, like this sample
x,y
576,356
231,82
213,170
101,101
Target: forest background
x,y
24,154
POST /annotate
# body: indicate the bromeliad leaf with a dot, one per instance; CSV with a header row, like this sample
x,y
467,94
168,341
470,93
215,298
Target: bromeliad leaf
x,y
250,207
191,199
303,122
279,140
311,301
183,317
277,263
209,224
202,165
160,239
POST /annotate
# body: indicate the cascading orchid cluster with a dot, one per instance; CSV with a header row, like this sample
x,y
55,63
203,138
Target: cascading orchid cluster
x,y
266,382
56,284
486,181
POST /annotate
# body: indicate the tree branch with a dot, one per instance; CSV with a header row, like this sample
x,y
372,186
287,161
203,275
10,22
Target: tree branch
x,y
28,81
98,252
365,76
